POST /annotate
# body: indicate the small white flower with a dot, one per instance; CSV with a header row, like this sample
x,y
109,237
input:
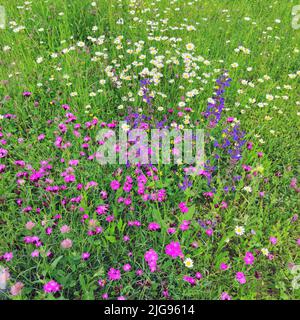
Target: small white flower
x,y
125,127
6,48
39,60
248,189
265,251
239,230
189,263
190,47
80,44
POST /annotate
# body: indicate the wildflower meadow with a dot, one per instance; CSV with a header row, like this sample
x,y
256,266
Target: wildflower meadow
x,y
149,149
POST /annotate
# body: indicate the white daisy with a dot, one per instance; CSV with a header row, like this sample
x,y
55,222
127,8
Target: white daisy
x,y
239,230
189,263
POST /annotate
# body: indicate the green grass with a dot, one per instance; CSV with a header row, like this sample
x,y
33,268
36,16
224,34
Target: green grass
x,y
221,27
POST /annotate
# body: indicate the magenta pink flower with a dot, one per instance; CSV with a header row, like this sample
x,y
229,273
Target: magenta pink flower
x,y
153,226
249,258
127,267
115,185
114,274
105,296
183,207
27,94
101,283
3,153
190,280
209,232
102,209
173,250
240,277
85,256
8,256
52,287
223,266
151,257
225,296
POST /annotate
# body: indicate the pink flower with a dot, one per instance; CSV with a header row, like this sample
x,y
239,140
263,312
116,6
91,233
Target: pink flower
x,y
249,258
240,277
16,288
85,256
105,296
35,253
127,267
173,250
66,244
151,257
225,296
3,153
115,185
273,240
209,232
2,168
69,178
102,209
29,225
126,238
185,225
114,274
171,230
41,137
52,286
153,226
139,272
223,266
190,280
65,229
101,283
183,207
27,94
8,256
